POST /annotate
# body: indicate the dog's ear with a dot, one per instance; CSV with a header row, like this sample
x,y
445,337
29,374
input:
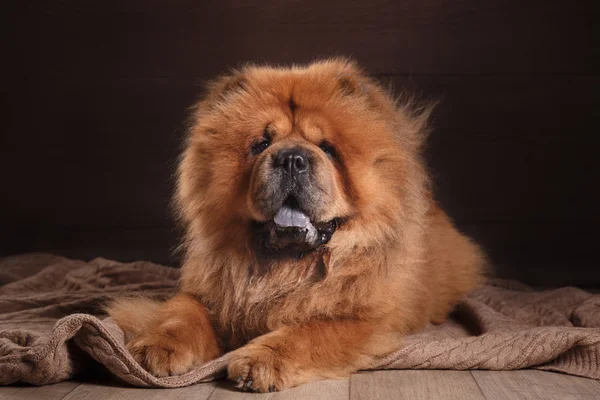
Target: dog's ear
x,y
216,91
352,85
351,79
223,86
214,94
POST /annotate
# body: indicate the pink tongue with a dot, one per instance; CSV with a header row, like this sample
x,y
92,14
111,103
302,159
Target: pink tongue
x,y
287,216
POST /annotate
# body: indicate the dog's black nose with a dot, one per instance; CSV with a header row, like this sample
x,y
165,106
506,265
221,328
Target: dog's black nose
x,y
293,161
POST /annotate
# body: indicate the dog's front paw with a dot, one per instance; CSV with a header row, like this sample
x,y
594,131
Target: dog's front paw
x,y
259,368
160,355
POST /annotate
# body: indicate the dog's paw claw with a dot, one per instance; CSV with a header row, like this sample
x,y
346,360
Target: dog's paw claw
x,y
257,369
159,357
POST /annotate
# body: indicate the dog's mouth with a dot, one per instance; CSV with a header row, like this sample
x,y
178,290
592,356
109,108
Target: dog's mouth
x,y
292,232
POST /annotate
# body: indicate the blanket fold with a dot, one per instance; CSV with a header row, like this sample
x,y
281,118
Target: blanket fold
x,y
52,326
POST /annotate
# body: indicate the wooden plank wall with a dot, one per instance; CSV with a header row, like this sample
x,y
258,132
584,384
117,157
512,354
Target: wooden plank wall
x,y
95,96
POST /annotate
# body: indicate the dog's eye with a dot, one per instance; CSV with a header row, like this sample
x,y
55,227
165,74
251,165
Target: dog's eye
x,y
260,146
327,149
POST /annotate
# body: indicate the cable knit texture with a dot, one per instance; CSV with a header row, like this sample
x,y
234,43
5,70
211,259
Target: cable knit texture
x,y
51,325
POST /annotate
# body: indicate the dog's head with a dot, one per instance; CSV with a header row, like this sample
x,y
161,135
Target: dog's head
x,y
279,158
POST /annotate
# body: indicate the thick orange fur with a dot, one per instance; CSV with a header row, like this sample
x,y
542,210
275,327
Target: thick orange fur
x,y
168,338
395,264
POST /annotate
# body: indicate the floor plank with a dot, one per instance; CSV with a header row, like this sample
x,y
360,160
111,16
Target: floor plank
x,y
49,392
535,385
417,385
414,385
87,391
329,390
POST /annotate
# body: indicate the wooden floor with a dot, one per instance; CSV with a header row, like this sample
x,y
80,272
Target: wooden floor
x,y
413,385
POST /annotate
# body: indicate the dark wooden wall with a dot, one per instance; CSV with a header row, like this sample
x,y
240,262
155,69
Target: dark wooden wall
x,y
95,96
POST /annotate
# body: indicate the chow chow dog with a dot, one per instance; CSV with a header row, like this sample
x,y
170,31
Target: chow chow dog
x,y
313,241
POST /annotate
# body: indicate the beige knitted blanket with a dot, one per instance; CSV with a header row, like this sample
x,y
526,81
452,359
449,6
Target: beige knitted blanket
x,y
48,332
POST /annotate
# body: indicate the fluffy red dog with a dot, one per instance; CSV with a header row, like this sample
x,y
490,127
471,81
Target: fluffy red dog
x,y
313,241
